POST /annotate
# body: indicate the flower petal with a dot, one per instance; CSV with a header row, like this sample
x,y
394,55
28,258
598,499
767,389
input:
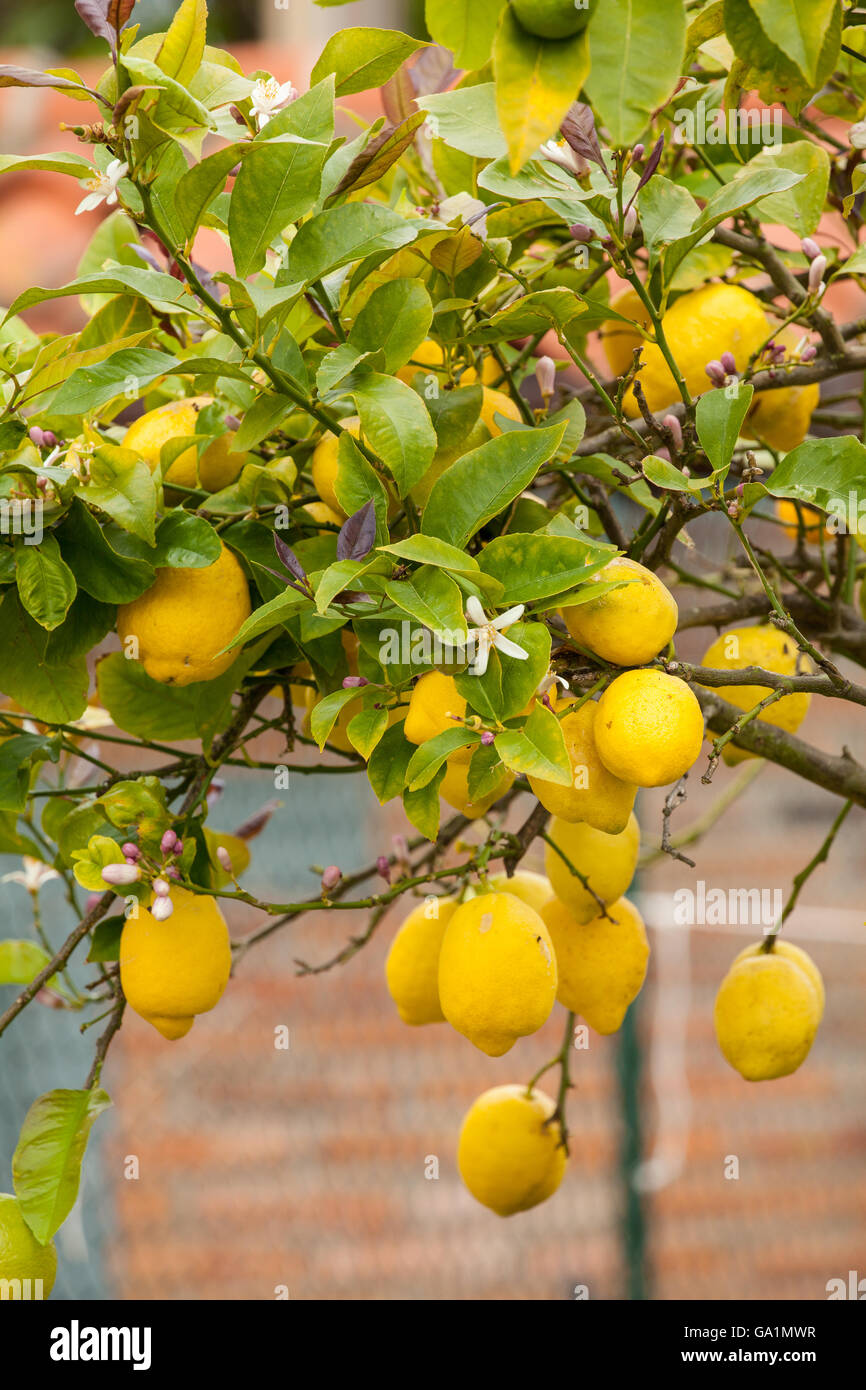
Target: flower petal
x,y
512,615
507,648
474,612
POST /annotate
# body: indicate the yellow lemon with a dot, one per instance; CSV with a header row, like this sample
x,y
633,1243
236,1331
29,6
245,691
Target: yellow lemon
x,y
607,862
454,789
412,967
773,650
323,464
184,620
426,355
435,706
491,375
510,1155
649,728
595,795
21,1255
699,327
216,468
172,970
601,963
497,972
630,625
619,341
795,954
497,403
534,889
322,514
766,1015
814,521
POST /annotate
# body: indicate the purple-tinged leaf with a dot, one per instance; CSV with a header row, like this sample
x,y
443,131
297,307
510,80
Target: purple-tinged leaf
x,y
12,76
433,70
652,163
398,96
291,561
105,18
358,535
147,256
578,131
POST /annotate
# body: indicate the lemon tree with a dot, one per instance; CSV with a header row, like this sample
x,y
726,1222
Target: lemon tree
x,y
415,483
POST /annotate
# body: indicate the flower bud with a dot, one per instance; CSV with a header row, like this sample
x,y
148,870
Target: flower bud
x,y
36,436
630,222
224,858
810,248
131,851
637,153
816,274
580,232
663,453
330,878
118,875
162,909
238,115
49,439
716,372
545,373
168,842
173,872
232,422
383,867
487,738
728,362
671,423
354,682
161,888
809,353
178,847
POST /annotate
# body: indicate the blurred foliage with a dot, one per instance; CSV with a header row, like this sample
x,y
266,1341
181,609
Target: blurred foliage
x,y
55,24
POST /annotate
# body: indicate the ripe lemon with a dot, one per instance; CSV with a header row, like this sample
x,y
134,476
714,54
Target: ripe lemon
x,y
491,374
595,796
323,464
630,625
216,468
775,651
21,1255
814,521
322,514
619,341
497,403
172,970
454,789
426,355
184,620
553,19
699,327
795,954
606,861
412,967
510,1155
497,971
534,889
766,1015
649,728
435,706
601,963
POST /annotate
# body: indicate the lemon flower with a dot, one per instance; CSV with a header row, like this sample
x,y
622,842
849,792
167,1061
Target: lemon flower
x,y
32,876
268,97
103,186
488,633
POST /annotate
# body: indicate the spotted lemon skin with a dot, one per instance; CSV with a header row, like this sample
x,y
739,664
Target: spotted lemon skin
x,y
649,728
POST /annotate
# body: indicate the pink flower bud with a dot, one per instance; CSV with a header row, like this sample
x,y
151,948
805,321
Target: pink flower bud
x,y
716,372
224,858
663,453
383,868
810,248
131,851
637,153
49,439
161,888
168,842
36,436
487,738
162,909
178,846
118,875
401,846
238,115
330,878
733,509
42,482
740,489
580,232
630,222
545,372
354,682
232,422
816,274
130,860
728,362
671,423
809,353
173,872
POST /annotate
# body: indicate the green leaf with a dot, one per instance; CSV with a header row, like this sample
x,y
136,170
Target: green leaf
x,y
18,755
719,418
162,292
280,177
265,415
466,119
99,569
667,211
637,53
428,550
531,314
197,188
21,962
433,599
122,486
765,67
54,690
819,470
483,482
429,757
343,234
363,58
182,48
467,27
131,370
105,941
358,482
538,749
801,206
365,729
665,474
327,711
185,541
798,28
46,584
422,806
341,575
747,187
46,1165
146,709
396,427
386,768
536,82
395,319
63,162
508,685
531,566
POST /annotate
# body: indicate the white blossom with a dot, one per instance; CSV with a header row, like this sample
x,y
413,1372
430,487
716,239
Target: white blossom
x,y
268,97
487,633
32,876
102,188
